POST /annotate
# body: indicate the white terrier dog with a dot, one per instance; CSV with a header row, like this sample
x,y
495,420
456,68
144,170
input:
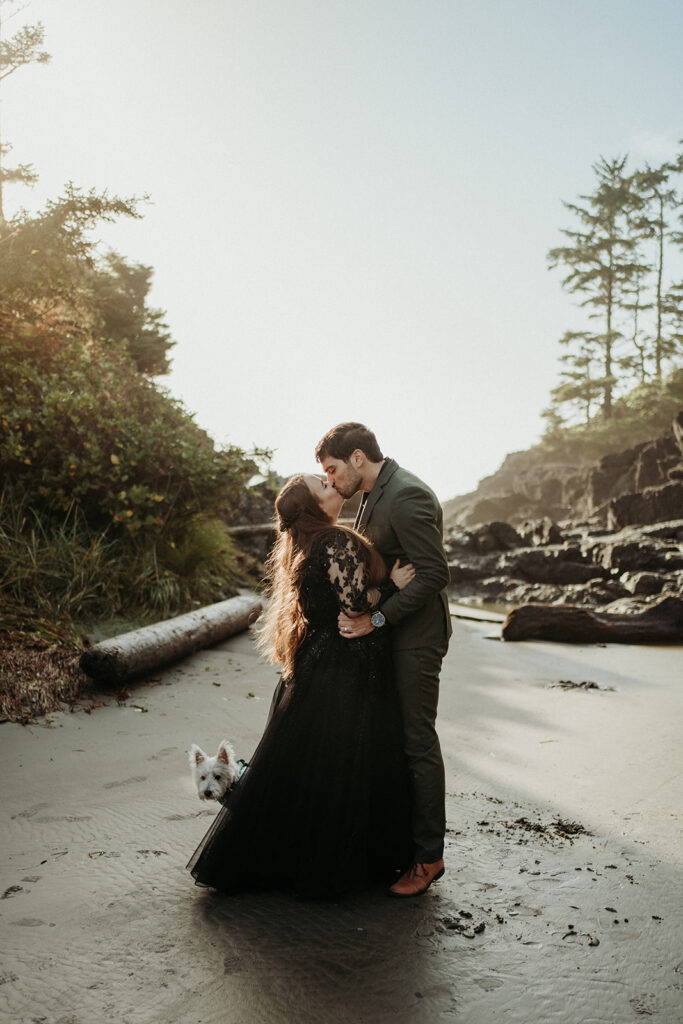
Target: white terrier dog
x,y
215,776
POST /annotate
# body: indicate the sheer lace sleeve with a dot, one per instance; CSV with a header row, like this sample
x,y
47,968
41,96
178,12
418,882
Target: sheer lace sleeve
x,y
347,573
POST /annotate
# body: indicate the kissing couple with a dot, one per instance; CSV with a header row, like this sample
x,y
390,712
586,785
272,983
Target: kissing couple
x,y
346,787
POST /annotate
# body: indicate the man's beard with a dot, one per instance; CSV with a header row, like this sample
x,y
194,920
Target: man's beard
x,y
350,488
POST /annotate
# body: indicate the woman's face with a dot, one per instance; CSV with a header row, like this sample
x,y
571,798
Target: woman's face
x,y
329,500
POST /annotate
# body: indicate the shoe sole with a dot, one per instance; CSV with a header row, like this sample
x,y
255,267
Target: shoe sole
x,y
411,895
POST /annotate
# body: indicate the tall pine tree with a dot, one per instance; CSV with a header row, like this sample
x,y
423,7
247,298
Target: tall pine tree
x,y
602,263
658,200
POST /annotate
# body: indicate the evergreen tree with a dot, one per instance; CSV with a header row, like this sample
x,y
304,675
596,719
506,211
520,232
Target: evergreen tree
x,y
602,262
578,386
50,272
21,49
119,302
47,259
635,304
672,312
657,198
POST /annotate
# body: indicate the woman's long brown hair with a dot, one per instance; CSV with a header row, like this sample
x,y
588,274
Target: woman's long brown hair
x,y
301,524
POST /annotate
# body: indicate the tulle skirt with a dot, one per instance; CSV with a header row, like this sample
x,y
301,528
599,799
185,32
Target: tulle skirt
x,y
324,806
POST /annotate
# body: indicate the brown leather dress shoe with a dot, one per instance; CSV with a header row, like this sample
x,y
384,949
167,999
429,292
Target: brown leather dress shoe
x,y
417,880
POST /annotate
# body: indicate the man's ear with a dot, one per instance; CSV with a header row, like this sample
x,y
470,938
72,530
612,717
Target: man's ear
x,y
358,458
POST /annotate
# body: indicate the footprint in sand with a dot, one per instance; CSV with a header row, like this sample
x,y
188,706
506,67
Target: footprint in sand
x,y
645,1005
11,890
29,812
52,820
162,753
125,782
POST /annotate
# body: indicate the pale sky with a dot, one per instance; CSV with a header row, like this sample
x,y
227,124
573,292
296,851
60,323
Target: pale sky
x,y
352,200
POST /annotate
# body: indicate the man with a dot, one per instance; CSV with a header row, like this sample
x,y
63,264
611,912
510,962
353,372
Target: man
x,y
403,519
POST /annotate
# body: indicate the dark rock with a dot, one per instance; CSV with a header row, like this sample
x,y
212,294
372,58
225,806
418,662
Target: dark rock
x,y
655,460
595,592
649,506
643,583
614,474
496,536
539,532
463,570
622,515
543,593
546,565
636,551
672,529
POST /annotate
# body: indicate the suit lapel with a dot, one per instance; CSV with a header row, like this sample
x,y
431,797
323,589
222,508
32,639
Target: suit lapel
x,y
385,474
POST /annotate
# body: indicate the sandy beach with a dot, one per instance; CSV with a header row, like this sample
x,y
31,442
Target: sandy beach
x,y
536,920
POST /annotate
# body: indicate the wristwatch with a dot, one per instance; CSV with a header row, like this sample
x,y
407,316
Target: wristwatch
x,y
377,619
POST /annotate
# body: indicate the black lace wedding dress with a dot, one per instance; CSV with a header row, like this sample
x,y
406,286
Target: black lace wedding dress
x,y
324,805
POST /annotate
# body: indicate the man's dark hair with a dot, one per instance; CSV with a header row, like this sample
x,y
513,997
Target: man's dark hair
x,y
345,438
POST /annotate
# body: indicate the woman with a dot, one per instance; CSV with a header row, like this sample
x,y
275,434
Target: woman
x,y
324,805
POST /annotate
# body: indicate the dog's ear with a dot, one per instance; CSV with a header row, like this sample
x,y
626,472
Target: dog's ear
x,y
225,752
197,755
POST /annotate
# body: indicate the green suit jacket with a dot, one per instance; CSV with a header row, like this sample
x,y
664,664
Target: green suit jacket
x,y
403,519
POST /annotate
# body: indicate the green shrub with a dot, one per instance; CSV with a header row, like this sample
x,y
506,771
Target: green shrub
x,y
115,501
79,424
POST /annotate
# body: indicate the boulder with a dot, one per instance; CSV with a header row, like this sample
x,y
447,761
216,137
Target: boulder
x,y
496,536
550,565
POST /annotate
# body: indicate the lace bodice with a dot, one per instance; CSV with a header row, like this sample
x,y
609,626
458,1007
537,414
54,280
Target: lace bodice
x,y
335,579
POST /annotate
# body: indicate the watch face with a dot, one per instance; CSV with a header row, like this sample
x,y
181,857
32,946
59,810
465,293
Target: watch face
x,y
378,619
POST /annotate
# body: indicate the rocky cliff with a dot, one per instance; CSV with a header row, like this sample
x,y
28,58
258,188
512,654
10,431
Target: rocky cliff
x,y
643,484
605,534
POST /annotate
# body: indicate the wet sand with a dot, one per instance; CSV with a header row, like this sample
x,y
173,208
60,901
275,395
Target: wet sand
x,y
100,921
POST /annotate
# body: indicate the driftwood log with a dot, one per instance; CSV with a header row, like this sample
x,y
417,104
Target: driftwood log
x,y
253,530
143,650
660,624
